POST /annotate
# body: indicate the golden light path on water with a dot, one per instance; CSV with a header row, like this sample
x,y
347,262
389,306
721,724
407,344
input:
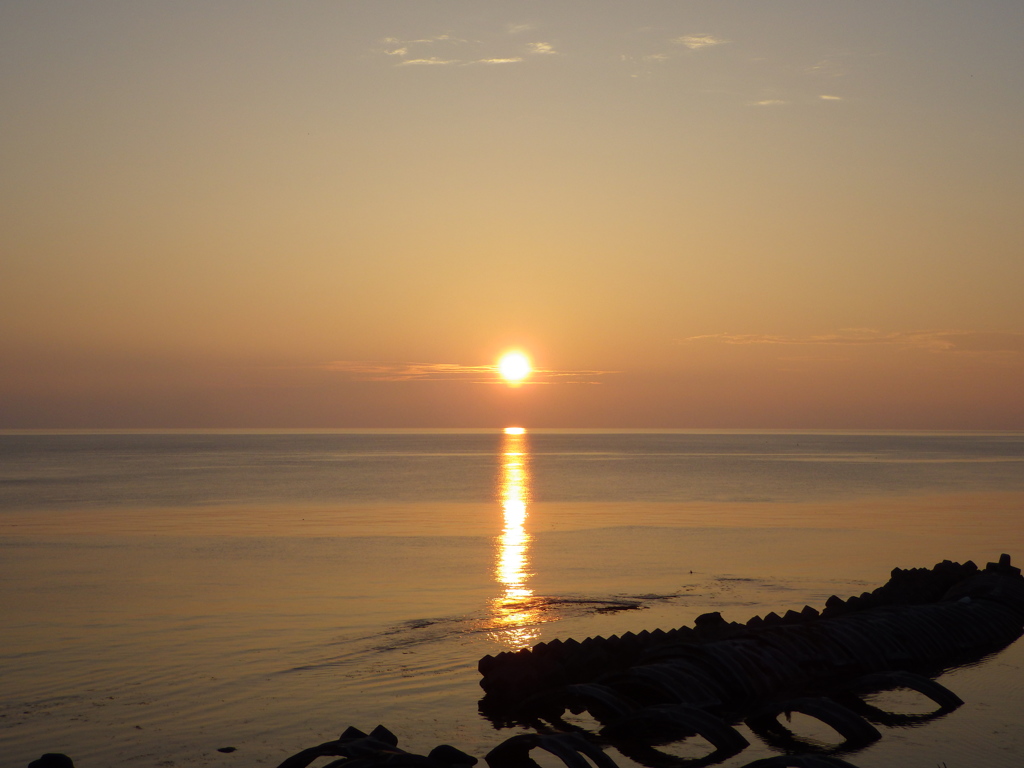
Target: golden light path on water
x,y
514,614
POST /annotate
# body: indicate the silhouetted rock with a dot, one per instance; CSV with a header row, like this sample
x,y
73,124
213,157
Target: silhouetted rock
x,y
52,760
379,748
654,687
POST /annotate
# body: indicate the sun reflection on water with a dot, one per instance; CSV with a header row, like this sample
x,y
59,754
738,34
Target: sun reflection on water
x,y
513,613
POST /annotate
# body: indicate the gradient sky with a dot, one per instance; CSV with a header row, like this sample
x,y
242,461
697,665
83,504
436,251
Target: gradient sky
x,y
785,214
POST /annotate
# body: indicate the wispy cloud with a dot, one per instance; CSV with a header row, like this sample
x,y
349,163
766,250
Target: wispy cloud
x,y
696,42
770,103
827,68
645,65
431,60
830,97
543,49
422,40
516,29
474,374
936,341
400,48
448,49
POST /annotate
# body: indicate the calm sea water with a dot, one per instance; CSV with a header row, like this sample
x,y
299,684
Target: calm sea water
x,y
165,595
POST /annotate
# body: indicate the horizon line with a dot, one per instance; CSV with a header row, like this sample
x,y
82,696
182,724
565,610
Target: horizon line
x,y
15,431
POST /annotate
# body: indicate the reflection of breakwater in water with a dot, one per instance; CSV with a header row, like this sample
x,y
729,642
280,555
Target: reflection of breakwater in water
x,y
513,611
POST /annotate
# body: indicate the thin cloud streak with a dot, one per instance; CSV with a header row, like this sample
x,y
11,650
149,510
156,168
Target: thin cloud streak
x,y
978,342
696,42
435,39
827,68
431,60
542,49
354,370
457,48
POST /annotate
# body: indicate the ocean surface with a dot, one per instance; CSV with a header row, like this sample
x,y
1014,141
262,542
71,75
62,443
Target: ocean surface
x,y
166,595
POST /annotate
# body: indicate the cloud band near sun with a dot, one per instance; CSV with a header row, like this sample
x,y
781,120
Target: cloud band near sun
x,y
937,341
353,370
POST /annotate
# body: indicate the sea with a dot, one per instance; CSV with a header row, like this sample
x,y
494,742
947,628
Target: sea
x,y
166,595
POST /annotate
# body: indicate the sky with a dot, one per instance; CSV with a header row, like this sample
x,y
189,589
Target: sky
x,y
332,213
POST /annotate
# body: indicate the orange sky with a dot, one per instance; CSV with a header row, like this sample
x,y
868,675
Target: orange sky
x,y
701,214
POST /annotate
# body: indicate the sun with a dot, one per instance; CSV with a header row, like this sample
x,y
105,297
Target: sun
x,y
514,367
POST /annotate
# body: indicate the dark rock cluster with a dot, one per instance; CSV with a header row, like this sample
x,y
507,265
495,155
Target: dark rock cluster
x,y
378,748
921,620
656,687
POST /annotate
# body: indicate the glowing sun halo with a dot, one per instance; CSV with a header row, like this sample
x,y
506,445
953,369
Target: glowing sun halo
x,y
514,367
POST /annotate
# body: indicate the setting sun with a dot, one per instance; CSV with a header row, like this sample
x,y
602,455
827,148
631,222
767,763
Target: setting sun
x,y
514,367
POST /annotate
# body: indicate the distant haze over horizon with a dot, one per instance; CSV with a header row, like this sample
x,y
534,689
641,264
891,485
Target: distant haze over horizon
x,y
340,214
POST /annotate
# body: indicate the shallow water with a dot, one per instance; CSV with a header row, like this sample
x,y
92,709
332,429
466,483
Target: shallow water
x,y
166,595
